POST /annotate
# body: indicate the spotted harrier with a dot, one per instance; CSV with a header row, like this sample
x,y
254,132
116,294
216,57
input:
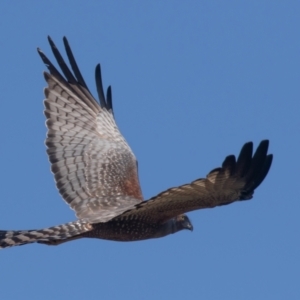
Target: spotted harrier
x,y
96,171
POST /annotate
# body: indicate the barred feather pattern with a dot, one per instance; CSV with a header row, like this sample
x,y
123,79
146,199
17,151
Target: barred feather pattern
x,y
91,161
236,180
61,232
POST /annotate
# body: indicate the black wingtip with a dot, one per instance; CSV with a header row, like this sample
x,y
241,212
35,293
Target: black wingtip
x,y
264,171
99,85
263,146
42,55
52,44
74,65
258,160
258,169
244,159
49,65
76,77
109,98
229,163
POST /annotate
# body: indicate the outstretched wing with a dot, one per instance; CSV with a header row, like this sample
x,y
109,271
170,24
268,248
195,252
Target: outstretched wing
x,y
94,168
235,180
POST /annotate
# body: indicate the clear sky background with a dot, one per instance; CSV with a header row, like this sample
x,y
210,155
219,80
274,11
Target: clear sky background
x,y
192,82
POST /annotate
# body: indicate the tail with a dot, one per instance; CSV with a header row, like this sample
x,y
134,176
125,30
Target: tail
x,y
51,236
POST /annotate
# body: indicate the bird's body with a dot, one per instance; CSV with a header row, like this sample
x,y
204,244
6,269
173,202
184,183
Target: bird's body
x,y
122,229
96,171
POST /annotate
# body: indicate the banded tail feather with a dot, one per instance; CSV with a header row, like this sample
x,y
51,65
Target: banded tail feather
x,y
51,236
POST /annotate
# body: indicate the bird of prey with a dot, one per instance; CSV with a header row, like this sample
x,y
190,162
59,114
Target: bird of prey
x,y
96,171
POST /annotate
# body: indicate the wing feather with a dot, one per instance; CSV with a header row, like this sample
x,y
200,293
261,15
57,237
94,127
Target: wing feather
x,y
234,181
94,168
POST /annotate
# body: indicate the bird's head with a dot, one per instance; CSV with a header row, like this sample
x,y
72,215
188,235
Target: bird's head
x,y
173,225
183,222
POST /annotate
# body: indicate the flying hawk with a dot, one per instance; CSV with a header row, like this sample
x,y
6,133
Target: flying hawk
x,y
96,171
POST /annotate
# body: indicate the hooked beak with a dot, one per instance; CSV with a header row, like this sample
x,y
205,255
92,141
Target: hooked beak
x,y
189,226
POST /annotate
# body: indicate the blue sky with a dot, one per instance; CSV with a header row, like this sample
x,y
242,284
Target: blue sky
x,y
192,82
